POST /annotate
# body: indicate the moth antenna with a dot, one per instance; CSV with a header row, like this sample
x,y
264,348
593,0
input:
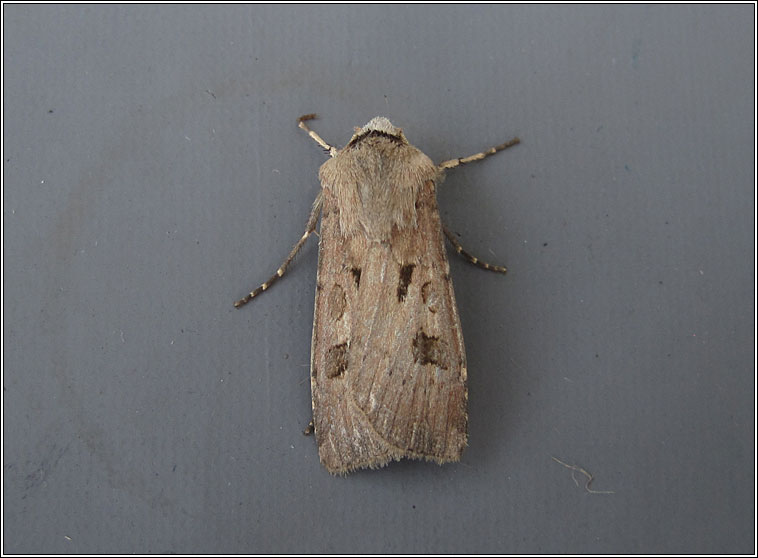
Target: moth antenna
x,y
301,123
452,163
310,227
469,257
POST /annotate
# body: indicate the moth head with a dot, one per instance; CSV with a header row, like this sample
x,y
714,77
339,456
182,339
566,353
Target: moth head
x,y
379,126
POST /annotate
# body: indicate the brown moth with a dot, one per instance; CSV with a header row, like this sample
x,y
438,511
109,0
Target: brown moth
x,y
388,365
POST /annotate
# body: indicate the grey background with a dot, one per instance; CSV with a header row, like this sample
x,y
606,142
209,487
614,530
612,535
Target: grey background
x,y
153,173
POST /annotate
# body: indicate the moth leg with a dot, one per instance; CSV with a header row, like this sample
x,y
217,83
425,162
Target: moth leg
x,y
310,227
309,429
452,163
471,259
301,124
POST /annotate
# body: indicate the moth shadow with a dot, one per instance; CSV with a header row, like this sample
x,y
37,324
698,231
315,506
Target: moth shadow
x,y
494,400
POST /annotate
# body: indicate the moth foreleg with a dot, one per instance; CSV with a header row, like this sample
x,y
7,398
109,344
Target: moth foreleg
x,y
301,124
310,227
471,258
452,163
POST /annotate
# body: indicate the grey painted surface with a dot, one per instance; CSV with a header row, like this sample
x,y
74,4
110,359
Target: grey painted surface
x,y
153,173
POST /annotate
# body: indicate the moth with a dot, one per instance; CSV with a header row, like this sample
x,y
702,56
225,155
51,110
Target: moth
x,y
388,365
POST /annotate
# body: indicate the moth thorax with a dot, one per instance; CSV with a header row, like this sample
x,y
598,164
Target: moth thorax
x,y
381,124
